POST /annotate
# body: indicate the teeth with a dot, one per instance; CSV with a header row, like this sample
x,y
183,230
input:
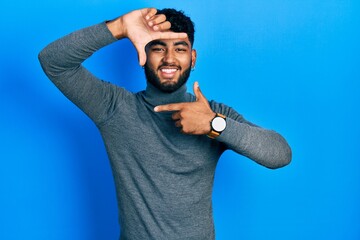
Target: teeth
x,y
167,70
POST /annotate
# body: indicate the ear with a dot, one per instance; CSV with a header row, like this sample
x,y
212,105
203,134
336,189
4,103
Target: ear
x,y
193,58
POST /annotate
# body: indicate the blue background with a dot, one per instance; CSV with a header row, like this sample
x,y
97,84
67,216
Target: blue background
x,y
292,66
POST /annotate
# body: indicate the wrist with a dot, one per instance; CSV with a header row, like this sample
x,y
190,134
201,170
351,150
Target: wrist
x,y
116,27
217,125
211,117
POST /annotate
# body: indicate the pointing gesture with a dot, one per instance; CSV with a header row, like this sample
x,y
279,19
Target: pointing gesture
x,y
141,27
191,117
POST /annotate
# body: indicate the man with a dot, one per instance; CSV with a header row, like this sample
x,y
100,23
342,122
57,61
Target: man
x,y
163,143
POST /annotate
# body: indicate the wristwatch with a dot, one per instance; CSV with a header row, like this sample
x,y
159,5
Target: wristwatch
x,y
218,125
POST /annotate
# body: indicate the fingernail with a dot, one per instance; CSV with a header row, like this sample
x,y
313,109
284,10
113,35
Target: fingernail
x,y
156,109
147,17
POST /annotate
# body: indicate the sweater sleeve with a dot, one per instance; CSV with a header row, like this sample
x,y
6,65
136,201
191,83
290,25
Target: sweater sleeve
x,y
264,146
62,61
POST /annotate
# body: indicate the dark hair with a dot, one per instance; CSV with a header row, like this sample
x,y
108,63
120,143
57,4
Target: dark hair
x,y
179,22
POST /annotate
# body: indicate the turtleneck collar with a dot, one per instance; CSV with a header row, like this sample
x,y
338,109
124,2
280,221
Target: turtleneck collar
x,y
156,97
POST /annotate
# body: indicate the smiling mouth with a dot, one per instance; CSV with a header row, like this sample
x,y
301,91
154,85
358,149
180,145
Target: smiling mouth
x,y
168,72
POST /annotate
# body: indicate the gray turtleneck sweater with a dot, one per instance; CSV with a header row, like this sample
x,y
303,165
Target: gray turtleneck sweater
x,y
163,178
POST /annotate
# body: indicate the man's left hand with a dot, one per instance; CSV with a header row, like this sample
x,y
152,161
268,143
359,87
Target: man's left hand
x,y
191,117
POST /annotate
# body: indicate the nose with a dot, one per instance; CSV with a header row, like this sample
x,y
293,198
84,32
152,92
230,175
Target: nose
x,y
169,57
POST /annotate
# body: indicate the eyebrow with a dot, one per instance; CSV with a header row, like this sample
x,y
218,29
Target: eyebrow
x,y
181,43
159,42
156,42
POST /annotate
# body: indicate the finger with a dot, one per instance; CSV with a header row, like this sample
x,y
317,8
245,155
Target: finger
x,y
141,55
176,116
198,94
149,13
169,107
178,124
164,26
170,35
157,19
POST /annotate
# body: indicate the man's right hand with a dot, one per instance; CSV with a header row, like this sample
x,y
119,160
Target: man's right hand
x,y
141,27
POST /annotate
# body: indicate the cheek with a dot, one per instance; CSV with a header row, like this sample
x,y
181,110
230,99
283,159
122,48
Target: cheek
x,y
186,62
151,64
184,57
152,60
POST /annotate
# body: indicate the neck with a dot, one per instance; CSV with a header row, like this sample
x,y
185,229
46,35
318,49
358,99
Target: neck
x,y
155,96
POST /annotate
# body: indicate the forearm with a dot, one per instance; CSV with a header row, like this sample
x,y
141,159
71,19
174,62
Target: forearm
x,y
265,147
65,55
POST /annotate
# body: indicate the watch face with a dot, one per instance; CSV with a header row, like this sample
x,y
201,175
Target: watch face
x,y
219,124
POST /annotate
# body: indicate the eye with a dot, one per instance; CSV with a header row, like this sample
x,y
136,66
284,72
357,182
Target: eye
x,y
158,49
181,50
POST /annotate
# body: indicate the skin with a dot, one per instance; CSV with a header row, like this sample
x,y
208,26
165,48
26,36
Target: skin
x,y
141,27
191,117
169,57
168,63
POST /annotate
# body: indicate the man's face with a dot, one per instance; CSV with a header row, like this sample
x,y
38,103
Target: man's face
x,y
169,63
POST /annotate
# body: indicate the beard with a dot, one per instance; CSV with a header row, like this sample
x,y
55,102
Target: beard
x,y
167,87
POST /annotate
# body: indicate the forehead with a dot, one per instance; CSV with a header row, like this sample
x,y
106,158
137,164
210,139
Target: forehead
x,y
170,42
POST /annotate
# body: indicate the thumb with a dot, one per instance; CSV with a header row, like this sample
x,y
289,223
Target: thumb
x,y
142,58
198,94
141,55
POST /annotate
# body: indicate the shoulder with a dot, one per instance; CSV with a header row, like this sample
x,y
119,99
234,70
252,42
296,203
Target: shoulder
x,y
115,95
117,90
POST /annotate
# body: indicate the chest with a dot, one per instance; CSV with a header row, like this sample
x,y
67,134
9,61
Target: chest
x,y
137,134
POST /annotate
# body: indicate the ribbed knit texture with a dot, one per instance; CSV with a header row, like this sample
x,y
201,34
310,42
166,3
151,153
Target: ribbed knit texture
x,y
163,178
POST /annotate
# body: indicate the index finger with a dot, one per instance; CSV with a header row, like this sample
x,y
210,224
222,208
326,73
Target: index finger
x,y
170,35
169,107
